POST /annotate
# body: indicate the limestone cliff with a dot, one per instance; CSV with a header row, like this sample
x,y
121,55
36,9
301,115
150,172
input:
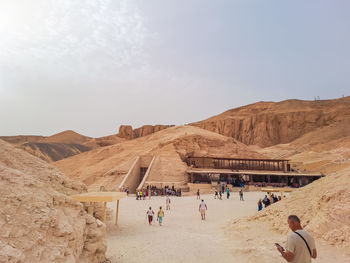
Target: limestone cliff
x,y
127,132
39,222
269,123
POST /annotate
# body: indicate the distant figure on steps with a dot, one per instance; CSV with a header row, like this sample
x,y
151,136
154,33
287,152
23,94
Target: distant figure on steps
x,y
198,194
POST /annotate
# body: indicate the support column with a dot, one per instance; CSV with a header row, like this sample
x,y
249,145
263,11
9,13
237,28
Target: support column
x,y
104,211
269,178
251,178
90,209
117,213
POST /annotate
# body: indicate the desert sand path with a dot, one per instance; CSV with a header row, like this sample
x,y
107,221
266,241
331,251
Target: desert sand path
x,y
183,236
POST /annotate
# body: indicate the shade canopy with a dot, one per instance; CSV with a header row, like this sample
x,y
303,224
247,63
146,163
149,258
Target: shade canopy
x,y
99,196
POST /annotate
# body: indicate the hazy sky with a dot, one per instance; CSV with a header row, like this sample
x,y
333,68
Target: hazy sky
x,y
92,65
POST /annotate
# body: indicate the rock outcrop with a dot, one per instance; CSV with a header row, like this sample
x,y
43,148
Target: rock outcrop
x,y
269,123
127,132
39,222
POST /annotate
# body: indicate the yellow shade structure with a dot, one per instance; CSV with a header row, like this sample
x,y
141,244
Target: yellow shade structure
x,y
99,197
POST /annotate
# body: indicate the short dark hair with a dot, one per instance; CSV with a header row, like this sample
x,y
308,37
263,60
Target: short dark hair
x,y
294,218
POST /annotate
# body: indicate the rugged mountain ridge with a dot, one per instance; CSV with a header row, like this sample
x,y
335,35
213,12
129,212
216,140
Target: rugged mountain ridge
x,y
61,145
271,123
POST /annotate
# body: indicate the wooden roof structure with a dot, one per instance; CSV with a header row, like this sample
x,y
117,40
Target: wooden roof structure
x,y
228,171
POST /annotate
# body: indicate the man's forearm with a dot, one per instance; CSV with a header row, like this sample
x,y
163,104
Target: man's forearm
x,y
287,256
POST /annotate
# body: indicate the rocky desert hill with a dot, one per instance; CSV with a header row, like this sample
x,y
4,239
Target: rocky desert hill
x,y
61,145
271,123
108,165
20,139
39,222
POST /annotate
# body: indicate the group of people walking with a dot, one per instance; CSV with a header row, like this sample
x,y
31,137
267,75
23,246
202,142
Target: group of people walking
x,y
150,215
160,215
218,194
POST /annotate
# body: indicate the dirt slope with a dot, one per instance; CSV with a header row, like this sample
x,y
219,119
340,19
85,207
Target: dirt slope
x,y
66,137
20,139
51,152
39,222
270,123
107,166
324,209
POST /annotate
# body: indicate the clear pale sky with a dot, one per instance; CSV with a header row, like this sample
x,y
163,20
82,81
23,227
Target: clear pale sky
x,y
92,65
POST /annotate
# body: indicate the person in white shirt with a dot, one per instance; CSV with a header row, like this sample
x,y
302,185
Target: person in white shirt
x,y
167,202
300,244
150,214
202,208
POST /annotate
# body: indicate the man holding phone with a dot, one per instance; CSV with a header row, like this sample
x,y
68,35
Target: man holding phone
x,y
300,244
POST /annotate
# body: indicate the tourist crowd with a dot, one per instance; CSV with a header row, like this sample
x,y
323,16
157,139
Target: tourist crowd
x,y
154,191
269,199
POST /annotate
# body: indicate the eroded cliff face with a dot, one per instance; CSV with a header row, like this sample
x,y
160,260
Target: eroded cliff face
x,y
39,222
127,132
268,123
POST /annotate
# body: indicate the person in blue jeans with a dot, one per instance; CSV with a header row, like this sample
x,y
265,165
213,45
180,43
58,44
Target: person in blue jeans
x,y
259,205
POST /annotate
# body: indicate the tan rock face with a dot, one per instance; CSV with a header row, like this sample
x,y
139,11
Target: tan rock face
x,y
268,123
39,222
126,131
148,129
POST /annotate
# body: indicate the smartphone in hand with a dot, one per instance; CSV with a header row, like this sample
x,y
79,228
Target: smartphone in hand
x,y
278,245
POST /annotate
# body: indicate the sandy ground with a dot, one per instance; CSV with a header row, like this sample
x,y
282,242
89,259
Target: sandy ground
x,y
184,237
